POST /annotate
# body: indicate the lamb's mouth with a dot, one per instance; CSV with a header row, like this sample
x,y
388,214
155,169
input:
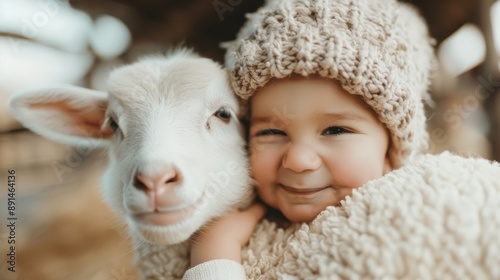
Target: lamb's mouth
x,y
165,218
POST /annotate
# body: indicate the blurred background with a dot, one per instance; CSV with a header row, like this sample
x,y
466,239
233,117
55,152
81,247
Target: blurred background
x,y
64,231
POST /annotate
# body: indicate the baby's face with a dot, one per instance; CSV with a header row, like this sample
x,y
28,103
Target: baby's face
x,y
311,144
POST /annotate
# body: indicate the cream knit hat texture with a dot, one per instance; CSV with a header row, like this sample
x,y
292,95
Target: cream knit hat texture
x,y
377,49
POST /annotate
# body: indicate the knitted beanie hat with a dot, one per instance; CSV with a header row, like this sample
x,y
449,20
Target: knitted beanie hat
x,y
379,50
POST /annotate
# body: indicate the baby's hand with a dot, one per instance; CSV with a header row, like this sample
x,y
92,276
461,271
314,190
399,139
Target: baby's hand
x,y
224,238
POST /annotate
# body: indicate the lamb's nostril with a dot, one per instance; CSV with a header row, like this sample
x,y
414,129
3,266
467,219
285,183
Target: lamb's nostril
x,y
172,180
138,184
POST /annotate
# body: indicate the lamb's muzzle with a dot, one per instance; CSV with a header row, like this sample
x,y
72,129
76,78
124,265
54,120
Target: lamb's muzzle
x,y
164,206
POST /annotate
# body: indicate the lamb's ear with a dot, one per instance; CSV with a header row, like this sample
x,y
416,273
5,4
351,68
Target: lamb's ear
x,y
65,113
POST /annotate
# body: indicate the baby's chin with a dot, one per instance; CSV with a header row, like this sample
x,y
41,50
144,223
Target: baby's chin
x,y
301,213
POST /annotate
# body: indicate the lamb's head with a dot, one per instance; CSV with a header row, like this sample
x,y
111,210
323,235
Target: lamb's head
x,y
176,148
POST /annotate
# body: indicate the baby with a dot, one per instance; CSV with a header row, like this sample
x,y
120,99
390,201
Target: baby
x,y
328,143
334,91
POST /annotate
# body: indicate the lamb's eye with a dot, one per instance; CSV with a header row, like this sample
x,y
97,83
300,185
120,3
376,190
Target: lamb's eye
x,y
113,124
223,114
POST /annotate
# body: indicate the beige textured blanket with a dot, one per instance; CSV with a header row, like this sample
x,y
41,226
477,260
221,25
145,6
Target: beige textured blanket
x,y
436,218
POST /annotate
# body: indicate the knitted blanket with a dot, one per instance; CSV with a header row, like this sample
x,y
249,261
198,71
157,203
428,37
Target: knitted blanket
x,y
435,218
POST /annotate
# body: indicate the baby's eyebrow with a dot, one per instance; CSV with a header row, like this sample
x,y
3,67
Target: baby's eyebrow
x,y
260,119
350,116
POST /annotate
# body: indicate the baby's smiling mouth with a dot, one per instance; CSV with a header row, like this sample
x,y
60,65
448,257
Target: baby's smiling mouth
x,y
301,191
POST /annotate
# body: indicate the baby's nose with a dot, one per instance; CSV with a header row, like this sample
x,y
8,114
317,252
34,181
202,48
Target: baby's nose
x,y
300,158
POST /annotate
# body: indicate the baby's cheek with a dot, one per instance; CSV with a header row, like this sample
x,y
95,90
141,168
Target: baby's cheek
x,y
264,173
259,166
355,169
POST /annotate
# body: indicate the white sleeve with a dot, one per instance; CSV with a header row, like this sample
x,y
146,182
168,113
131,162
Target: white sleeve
x,y
220,269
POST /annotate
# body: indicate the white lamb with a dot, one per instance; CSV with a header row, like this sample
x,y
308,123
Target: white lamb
x,y
176,150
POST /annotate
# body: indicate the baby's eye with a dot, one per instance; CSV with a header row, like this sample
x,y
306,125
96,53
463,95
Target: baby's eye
x,y
267,132
335,130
